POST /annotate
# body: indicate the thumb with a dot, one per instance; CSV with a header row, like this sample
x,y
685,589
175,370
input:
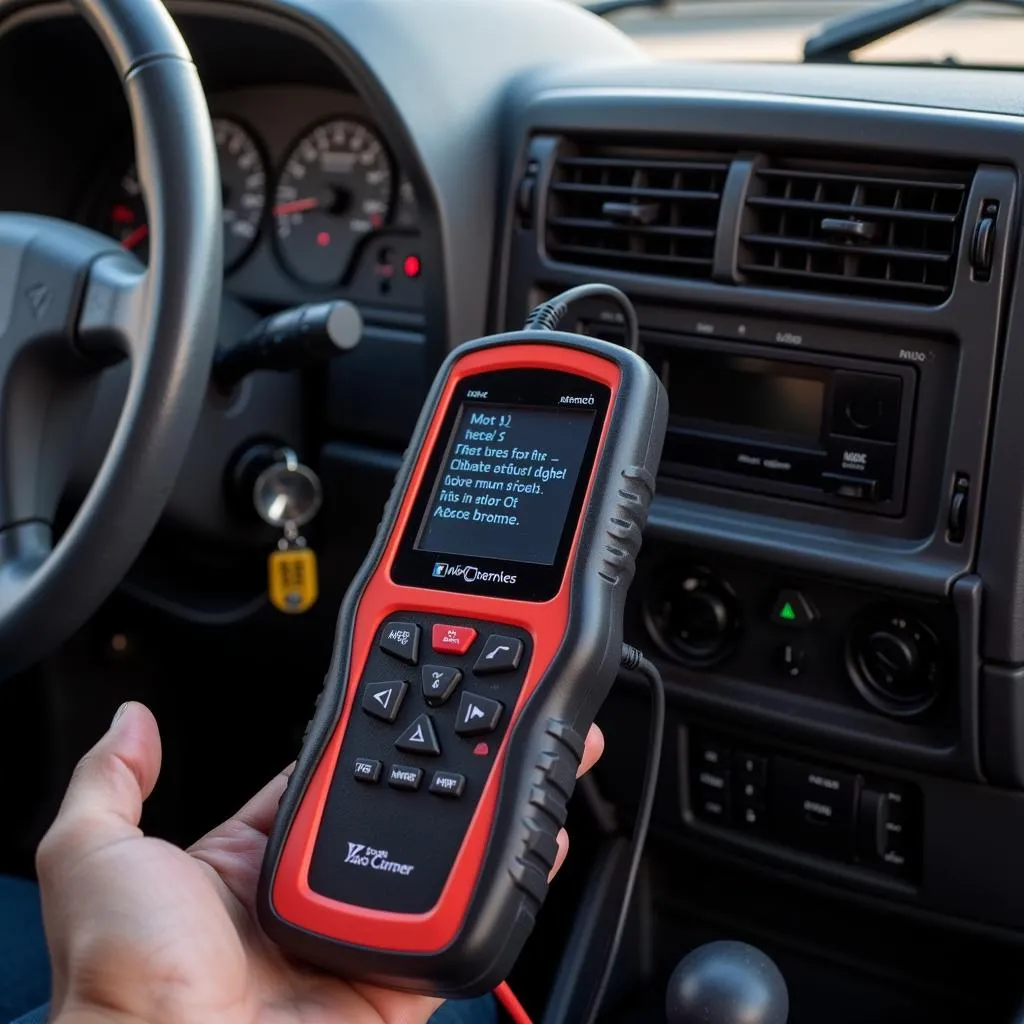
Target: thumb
x,y
103,802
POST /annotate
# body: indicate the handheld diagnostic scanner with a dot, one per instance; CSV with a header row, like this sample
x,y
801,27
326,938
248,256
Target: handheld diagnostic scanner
x,y
474,648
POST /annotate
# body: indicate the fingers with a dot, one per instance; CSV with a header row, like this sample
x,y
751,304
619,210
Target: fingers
x,y
563,851
592,750
104,799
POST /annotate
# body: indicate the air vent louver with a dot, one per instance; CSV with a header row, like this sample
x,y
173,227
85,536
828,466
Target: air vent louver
x,y
648,211
886,233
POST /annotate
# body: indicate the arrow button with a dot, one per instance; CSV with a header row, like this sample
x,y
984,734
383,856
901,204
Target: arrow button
x,y
500,654
477,715
420,738
382,700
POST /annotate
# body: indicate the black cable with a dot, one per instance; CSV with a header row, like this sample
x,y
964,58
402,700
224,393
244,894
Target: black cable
x,y
635,661
548,315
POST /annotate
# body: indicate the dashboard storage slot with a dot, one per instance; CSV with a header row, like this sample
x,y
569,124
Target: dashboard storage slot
x,y
647,210
888,233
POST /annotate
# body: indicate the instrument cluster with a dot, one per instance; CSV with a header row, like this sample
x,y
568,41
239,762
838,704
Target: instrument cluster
x,y
316,210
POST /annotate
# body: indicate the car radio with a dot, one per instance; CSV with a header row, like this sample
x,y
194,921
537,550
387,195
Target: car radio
x,y
808,425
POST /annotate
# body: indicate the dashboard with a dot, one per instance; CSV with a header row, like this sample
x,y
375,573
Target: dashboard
x,y
825,261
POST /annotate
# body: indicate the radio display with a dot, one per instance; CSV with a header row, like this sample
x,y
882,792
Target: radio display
x,y
507,481
743,391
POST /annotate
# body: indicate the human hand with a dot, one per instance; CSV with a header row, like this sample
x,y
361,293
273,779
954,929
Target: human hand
x,y
142,931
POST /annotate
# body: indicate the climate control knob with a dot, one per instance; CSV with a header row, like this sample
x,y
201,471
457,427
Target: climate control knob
x,y
895,661
693,616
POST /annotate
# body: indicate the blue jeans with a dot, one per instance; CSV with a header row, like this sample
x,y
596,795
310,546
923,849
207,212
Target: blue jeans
x,y
25,967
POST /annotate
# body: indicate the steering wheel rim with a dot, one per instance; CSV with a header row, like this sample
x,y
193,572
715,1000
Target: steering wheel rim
x,y
72,299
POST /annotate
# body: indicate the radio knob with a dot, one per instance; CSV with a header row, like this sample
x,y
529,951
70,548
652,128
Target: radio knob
x,y
693,617
895,662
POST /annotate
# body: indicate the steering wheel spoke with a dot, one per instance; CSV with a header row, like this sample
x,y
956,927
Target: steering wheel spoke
x,y
114,308
24,550
45,383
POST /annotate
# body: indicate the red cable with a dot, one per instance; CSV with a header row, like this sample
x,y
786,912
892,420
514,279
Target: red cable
x,y
512,1006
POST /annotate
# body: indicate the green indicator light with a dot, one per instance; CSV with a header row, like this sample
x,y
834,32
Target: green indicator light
x,y
787,612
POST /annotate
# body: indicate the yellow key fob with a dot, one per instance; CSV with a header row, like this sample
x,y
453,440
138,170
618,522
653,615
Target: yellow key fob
x,y
292,582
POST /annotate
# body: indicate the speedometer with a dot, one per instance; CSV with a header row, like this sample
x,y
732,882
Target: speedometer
x,y
336,187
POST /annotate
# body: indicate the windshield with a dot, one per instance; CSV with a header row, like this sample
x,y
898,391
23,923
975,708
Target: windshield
x,y
774,30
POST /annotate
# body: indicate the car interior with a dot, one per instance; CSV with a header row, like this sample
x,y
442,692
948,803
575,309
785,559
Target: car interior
x,y
822,252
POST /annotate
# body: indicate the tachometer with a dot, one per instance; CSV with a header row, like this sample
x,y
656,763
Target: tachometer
x,y
243,189
243,179
336,187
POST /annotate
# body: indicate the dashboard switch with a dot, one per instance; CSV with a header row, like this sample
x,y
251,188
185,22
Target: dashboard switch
x,y
710,754
958,508
793,609
790,661
815,805
872,819
983,241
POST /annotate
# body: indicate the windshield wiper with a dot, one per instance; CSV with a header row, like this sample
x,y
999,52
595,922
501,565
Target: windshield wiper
x,y
839,38
606,7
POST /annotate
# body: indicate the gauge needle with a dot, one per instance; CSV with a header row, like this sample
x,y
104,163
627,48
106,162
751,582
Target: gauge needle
x,y
295,206
132,239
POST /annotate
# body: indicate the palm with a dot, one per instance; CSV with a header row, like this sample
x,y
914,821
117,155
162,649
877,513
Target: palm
x,y
278,989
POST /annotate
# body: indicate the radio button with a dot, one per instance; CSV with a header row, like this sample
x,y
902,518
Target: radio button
x,y
447,639
856,488
866,405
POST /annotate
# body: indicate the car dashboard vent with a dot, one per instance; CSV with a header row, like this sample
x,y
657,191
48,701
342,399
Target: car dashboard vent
x,y
644,210
878,232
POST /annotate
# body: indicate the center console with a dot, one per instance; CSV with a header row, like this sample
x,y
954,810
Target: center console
x,y
820,582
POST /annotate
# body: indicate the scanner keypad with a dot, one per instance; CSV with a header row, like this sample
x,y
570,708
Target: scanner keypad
x,y
414,762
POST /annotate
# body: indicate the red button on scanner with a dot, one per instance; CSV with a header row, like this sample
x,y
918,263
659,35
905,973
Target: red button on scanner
x,y
454,639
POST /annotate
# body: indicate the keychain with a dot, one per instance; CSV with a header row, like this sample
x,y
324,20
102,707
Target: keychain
x,y
287,495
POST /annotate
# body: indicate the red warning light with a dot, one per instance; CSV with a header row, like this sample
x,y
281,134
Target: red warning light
x,y
323,239
481,750
122,214
411,266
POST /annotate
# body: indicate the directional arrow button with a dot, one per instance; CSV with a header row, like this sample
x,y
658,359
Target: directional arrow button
x,y
477,715
420,738
382,700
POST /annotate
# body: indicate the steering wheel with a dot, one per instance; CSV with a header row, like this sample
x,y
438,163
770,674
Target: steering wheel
x,y
71,302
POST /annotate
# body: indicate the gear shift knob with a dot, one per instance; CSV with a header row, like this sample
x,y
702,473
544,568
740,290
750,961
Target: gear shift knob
x,y
727,983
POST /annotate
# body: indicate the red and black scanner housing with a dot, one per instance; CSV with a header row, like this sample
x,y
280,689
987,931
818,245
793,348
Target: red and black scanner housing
x,y
454,922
